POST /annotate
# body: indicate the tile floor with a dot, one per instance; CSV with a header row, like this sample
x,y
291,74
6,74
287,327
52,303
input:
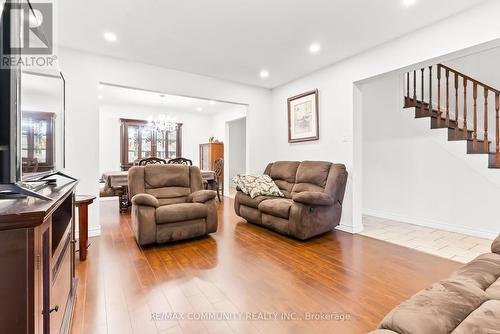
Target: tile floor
x,y
451,245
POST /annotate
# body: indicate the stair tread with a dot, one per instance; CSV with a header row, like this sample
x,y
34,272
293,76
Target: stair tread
x,y
454,133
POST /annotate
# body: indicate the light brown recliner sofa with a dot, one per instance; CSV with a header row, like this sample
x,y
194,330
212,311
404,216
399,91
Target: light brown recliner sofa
x,y
314,191
466,303
168,203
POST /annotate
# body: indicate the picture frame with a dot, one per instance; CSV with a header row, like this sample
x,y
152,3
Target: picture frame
x,y
303,117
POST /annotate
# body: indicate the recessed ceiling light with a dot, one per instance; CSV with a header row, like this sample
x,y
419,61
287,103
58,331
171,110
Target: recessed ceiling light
x,y
110,37
408,3
314,48
101,86
199,109
264,74
212,102
100,97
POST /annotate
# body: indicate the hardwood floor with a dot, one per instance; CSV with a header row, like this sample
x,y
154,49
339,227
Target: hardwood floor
x,y
244,268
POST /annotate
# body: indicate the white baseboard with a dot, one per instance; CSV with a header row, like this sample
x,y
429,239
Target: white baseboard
x,y
349,228
431,223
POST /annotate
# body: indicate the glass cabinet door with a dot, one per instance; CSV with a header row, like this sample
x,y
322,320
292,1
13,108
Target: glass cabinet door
x,y
147,142
133,143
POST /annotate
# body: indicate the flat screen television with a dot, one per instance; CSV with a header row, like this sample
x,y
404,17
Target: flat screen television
x,y
32,116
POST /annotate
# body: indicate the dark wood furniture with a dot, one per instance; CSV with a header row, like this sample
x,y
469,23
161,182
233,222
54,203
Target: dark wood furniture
x,y
209,153
37,270
139,141
82,202
152,161
219,170
181,161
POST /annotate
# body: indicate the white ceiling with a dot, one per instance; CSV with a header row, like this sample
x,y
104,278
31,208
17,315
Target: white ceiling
x,y
235,39
141,98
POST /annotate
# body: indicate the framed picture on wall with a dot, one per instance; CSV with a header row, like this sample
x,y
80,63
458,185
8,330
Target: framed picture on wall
x,y
303,117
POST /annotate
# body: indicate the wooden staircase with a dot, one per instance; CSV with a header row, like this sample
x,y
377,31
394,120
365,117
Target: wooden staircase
x,y
453,90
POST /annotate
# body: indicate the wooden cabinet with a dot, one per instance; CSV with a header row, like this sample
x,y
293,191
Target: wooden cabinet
x,y
37,273
209,153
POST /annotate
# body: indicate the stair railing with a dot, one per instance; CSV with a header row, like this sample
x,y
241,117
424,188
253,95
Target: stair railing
x,y
453,78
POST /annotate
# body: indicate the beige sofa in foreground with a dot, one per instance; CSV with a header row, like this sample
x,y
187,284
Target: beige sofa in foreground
x,y
466,303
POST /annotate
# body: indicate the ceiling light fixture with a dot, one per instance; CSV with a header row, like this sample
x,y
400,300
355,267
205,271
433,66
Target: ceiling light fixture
x,y
409,3
212,102
110,37
264,74
199,109
100,97
314,48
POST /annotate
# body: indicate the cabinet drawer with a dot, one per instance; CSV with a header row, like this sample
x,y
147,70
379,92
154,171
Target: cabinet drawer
x,y
61,288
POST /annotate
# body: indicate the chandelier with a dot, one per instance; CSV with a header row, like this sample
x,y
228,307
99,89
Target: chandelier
x,y
163,124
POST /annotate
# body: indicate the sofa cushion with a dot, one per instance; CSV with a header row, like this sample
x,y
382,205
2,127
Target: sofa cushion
x,y
486,319
495,246
493,290
279,207
311,176
283,174
159,176
180,212
245,199
438,309
481,272
276,223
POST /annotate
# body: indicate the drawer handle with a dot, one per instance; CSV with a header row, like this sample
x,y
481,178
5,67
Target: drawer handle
x,y
54,309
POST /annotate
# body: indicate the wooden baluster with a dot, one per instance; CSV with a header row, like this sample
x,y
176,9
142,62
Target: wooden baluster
x,y
408,85
439,96
447,98
474,134
422,97
456,102
430,90
415,87
486,144
497,146
465,108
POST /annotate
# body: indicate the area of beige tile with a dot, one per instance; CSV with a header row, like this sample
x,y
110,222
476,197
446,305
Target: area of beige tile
x,y
451,245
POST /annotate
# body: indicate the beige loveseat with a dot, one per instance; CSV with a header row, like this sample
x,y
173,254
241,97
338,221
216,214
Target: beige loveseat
x,y
314,192
466,303
169,203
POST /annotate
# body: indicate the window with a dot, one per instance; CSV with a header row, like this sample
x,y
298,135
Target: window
x,y
37,141
139,141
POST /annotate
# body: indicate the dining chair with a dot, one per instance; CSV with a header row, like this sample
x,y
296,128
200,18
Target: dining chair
x,y
152,161
219,169
180,161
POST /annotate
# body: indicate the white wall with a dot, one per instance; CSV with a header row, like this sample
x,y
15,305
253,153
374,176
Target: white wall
x,y
194,131
410,177
340,100
83,72
236,152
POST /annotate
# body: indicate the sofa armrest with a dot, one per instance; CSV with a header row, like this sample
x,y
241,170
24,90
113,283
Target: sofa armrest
x,y
146,200
201,196
313,198
495,246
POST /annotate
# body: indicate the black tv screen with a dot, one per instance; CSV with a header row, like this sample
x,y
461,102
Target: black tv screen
x,y
32,105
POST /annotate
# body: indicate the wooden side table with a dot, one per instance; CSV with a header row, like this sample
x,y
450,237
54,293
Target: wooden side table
x,y
82,202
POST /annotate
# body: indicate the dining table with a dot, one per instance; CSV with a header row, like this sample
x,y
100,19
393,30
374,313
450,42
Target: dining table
x,y
118,180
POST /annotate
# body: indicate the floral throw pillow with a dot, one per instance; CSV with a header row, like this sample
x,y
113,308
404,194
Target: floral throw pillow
x,y
257,185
